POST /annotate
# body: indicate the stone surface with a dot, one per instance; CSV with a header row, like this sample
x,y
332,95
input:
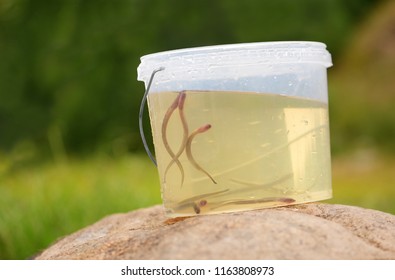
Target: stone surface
x,y
307,231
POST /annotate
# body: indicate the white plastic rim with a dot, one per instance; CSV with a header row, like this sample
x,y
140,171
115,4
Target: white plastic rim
x,y
297,69
196,62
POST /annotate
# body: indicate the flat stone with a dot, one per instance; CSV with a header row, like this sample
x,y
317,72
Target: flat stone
x,y
306,231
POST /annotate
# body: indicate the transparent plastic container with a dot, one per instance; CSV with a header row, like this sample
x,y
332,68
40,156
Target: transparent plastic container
x,y
240,127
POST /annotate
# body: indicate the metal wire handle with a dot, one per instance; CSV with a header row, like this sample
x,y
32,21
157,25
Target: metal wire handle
x,y
142,106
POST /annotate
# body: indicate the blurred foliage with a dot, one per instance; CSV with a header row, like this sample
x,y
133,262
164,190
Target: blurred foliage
x,y
68,68
362,87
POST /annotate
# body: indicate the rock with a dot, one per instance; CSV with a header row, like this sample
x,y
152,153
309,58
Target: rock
x,y
307,231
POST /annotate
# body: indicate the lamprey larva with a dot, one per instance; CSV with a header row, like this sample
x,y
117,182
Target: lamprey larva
x,y
188,150
178,103
201,196
198,201
286,200
257,186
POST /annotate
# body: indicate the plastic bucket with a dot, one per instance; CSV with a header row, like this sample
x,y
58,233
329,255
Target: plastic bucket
x,y
240,127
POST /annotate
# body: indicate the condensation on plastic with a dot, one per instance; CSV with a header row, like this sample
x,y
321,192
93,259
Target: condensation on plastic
x,y
287,68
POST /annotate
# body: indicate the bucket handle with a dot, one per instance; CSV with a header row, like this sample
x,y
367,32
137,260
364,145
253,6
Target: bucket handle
x,y
142,106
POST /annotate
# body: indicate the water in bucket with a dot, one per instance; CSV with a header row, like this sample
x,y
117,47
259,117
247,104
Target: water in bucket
x,y
240,127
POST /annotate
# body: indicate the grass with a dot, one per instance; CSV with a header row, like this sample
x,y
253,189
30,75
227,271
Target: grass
x,y
364,179
41,203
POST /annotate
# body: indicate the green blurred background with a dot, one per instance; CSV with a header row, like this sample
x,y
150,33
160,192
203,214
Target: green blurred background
x,y
70,151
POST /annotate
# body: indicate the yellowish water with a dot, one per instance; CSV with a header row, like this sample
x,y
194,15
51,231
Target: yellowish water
x,y
229,151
